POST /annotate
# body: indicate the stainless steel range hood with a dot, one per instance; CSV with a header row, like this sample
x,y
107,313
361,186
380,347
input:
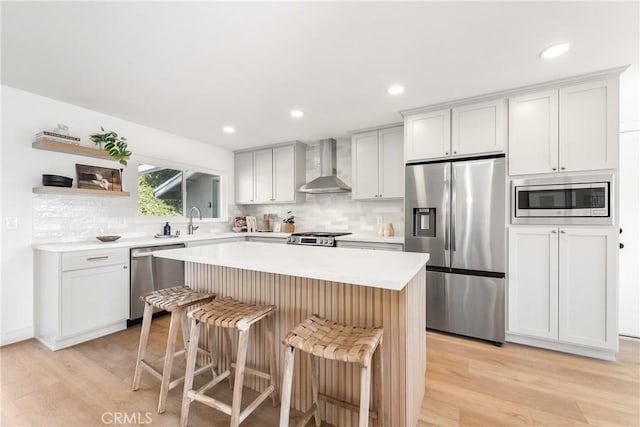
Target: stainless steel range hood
x,y
327,182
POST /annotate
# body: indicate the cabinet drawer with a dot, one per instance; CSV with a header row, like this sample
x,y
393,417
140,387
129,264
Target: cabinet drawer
x,y
95,258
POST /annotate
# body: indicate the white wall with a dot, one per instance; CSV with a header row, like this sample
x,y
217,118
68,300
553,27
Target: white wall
x,y
630,224
23,115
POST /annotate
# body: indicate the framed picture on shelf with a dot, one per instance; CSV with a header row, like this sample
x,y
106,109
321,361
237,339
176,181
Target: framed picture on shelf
x,y
98,178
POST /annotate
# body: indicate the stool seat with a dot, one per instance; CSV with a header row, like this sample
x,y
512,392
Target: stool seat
x,y
334,341
229,313
176,298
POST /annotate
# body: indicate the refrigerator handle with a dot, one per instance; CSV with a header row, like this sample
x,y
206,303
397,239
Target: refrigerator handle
x,y
453,211
447,189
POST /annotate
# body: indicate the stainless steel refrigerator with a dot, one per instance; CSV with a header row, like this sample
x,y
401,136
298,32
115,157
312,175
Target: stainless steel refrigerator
x,y
455,211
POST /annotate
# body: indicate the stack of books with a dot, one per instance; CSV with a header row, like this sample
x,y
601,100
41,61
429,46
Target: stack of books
x,y
58,137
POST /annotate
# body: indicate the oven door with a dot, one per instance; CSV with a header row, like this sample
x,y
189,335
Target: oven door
x,y
578,203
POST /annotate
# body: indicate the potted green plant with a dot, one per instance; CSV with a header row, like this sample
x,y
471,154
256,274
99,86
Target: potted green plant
x,y
288,223
115,145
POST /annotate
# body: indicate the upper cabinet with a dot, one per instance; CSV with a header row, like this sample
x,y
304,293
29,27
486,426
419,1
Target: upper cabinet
x,y
378,166
569,129
588,126
479,128
533,133
270,175
427,135
462,131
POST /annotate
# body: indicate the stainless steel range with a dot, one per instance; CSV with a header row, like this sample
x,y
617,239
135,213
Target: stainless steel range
x,y
322,238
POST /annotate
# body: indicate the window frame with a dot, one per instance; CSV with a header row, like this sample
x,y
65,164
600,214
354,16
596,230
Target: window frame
x,y
183,167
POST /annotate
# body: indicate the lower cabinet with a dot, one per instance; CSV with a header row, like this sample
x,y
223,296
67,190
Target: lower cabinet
x,y
80,295
562,286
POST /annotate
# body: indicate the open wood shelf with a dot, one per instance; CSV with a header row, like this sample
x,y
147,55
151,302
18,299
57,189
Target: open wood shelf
x,y
80,192
62,147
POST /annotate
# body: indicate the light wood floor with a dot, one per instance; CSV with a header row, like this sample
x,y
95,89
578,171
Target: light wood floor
x,y
468,383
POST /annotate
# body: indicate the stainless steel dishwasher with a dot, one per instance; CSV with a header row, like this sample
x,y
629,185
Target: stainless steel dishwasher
x,y
149,273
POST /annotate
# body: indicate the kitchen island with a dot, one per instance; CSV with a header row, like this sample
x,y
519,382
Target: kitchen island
x,y
350,286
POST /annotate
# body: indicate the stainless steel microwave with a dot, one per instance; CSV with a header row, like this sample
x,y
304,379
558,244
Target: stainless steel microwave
x,y
563,200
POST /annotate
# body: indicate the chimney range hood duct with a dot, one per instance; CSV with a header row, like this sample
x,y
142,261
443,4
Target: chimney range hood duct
x,y
327,182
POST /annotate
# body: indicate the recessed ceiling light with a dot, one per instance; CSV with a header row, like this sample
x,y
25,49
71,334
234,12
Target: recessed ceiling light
x,y
296,113
396,90
228,129
555,50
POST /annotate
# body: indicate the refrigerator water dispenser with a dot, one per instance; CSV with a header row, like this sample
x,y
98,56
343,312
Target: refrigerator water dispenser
x,y
424,222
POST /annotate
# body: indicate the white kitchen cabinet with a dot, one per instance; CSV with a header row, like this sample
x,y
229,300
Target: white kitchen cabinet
x,y
533,133
427,135
244,177
377,164
284,173
93,297
479,128
270,175
263,176
562,287
588,294
588,126
533,281
570,129
80,295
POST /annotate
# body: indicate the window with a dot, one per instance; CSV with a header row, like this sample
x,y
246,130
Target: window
x,y
171,192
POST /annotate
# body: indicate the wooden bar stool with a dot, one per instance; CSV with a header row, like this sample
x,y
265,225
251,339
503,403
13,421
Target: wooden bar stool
x,y
230,314
175,300
323,338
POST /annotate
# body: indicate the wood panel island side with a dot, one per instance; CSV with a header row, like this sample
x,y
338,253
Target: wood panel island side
x,y
351,286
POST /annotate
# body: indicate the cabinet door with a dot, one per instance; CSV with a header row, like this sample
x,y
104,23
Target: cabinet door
x,y
391,176
479,128
588,126
365,165
94,298
244,178
284,174
427,135
533,133
588,287
263,175
533,281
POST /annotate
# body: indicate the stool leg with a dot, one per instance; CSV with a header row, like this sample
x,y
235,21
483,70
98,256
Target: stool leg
x,y
365,389
144,337
227,349
272,359
314,387
379,389
241,359
192,353
168,360
212,350
184,323
287,379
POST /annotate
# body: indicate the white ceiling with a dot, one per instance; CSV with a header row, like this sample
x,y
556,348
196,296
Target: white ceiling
x,y
191,68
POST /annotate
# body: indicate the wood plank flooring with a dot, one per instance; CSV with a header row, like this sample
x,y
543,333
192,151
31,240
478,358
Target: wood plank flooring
x,y
468,383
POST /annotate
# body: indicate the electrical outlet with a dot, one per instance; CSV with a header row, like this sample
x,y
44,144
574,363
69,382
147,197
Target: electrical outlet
x,y
379,220
11,222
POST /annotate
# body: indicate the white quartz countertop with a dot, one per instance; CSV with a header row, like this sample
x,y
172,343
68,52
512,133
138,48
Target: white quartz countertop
x,y
135,242
379,269
370,238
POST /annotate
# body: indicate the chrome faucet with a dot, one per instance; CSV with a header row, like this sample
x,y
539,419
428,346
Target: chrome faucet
x,y
191,227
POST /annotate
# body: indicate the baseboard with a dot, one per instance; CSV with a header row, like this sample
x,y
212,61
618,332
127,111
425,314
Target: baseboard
x,y
604,354
16,335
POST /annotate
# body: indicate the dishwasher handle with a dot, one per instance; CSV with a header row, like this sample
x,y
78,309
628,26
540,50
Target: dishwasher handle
x,y
141,254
